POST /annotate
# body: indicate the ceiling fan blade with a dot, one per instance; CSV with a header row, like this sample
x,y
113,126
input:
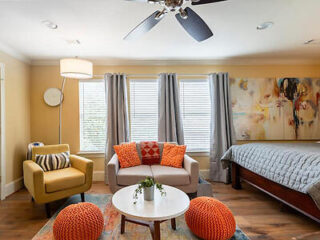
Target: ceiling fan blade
x,y
200,2
195,25
144,27
137,1
145,1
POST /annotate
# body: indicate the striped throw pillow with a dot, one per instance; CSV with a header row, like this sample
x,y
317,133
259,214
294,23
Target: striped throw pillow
x,y
51,162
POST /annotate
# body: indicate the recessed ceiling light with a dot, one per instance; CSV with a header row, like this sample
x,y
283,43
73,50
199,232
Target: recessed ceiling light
x,y
73,42
49,24
265,25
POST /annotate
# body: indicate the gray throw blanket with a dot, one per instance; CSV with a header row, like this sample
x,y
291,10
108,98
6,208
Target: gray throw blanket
x,y
294,165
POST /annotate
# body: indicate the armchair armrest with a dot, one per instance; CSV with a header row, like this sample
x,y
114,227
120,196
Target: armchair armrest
x,y
81,163
192,167
84,165
112,171
33,178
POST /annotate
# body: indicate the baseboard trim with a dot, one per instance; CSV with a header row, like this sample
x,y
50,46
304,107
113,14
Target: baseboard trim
x,y
14,186
98,176
205,173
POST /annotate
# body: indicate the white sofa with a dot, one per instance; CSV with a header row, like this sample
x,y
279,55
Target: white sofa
x,y
185,178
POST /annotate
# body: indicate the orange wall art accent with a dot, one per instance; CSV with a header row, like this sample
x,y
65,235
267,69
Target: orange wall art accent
x,y
276,108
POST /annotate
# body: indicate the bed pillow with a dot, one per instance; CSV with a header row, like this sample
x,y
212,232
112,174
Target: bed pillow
x,y
150,153
127,154
172,155
50,162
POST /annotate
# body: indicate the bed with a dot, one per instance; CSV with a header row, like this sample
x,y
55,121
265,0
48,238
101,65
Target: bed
x,y
288,172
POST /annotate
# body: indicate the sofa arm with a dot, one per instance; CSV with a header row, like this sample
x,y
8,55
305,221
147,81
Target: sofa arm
x,y
33,178
113,168
192,167
84,165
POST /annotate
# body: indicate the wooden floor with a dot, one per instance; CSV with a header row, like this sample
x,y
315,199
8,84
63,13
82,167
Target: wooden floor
x,y
258,215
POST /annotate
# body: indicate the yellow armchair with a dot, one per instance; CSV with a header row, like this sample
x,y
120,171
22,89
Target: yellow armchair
x,y
46,187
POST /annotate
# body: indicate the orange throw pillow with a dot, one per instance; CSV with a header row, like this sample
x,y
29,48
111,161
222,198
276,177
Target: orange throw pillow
x,y
127,155
173,155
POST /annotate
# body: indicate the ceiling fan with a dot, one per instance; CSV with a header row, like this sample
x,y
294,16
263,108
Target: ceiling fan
x,y
189,20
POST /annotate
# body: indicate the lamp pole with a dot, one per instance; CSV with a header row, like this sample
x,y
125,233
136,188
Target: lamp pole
x,y
60,108
74,68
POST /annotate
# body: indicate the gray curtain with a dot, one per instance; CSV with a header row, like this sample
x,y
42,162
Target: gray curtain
x,y
222,135
170,127
117,115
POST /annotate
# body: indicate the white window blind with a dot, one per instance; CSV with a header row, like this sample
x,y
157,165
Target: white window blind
x,y
196,109
144,110
92,116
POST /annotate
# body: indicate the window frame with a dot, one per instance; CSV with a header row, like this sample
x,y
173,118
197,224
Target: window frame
x,y
141,80
89,152
196,152
102,154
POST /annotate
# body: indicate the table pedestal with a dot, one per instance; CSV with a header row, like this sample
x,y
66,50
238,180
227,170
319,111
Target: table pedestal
x,y
154,226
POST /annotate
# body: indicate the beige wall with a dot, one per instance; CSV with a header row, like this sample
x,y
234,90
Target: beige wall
x,y
44,119
17,97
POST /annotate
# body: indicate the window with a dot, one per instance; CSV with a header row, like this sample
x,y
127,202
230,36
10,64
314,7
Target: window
x,y
92,116
196,109
144,110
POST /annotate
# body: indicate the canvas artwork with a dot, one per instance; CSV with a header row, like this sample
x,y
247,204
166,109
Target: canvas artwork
x,y
276,109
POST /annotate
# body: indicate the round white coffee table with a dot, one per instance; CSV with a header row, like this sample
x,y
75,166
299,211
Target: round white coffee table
x,y
150,213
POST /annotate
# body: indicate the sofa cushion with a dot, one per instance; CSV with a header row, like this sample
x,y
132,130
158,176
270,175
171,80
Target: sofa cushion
x,y
62,179
173,155
161,144
150,153
54,161
132,175
127,154
170,175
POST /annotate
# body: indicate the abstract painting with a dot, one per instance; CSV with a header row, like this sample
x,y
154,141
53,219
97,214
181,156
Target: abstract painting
x,y
276,109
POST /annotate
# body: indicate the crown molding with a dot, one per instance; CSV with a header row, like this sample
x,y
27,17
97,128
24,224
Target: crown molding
x,y
13,53
231,61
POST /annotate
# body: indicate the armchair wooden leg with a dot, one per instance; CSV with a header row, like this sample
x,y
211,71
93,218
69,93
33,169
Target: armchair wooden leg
x,y
82,197
48,211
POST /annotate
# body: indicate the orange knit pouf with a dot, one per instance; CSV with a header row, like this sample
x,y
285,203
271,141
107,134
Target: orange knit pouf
x,y
210,219
82,221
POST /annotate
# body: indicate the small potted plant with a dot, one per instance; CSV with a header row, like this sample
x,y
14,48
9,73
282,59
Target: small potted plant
x,y
147,186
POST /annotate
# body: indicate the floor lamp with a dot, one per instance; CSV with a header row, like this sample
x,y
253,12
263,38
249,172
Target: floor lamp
x,y
73,68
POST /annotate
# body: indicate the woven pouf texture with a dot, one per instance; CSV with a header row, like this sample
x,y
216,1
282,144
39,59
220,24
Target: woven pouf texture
x,y
82,221
210,219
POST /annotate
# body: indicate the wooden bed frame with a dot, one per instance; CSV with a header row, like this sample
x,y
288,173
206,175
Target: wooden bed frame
x,y
297,200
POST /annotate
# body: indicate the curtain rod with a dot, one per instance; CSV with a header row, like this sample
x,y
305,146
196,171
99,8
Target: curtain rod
x,y
156,75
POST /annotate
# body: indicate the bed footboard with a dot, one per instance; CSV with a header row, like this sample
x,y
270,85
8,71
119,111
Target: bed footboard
x,y
297,200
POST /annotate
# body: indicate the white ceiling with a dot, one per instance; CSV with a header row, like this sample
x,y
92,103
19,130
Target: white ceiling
x,y
100,26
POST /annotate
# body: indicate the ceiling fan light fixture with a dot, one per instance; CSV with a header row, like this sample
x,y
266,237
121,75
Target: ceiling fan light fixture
x,y
161,14
265,25
183,13
188,19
